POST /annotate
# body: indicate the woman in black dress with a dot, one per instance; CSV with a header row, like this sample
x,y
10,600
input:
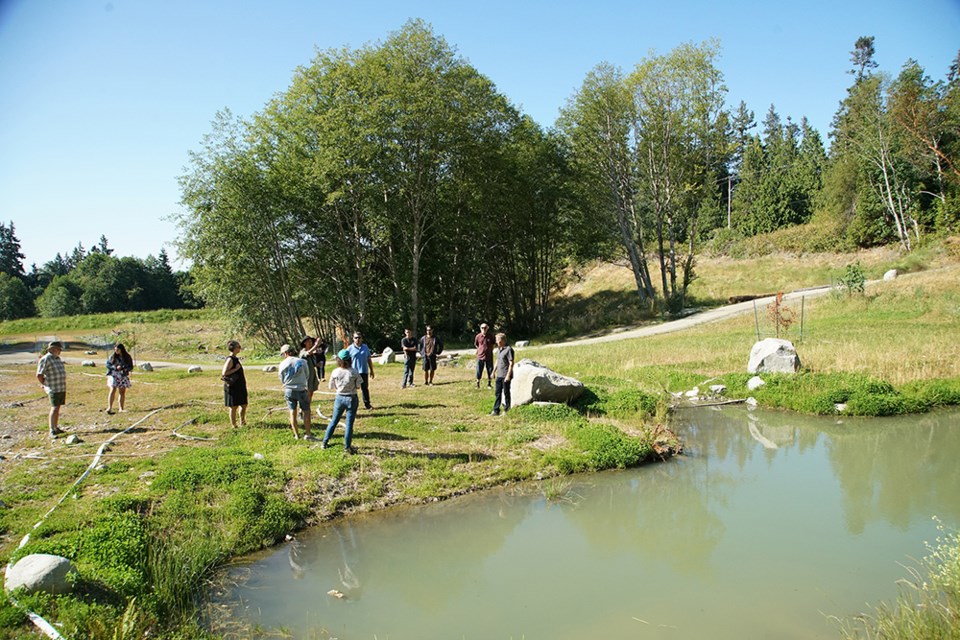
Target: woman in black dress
x,y
234,385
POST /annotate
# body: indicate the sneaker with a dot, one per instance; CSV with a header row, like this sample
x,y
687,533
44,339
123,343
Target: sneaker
x,y
494,413
478,384
110,412
403,386
323,445
349,451
310,437
368,407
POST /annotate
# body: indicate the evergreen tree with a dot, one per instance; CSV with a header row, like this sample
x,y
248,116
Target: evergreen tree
x,y
11,260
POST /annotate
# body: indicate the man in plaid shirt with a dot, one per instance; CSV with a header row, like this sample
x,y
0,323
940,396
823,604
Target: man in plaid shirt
x,y
53,377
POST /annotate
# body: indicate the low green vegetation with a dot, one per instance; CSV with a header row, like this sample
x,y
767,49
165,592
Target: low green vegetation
x,y
928,607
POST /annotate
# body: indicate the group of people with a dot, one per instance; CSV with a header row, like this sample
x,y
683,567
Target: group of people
x,y
52,376
301,372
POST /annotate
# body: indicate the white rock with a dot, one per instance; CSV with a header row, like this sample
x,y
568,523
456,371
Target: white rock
x,y
258,456
40,572
388,356
693,393
890,275
534,382
90,353
718,389
270,368
840,407
773,355
755,383
146,366
751,401
520,344
88,363
194,368
73,439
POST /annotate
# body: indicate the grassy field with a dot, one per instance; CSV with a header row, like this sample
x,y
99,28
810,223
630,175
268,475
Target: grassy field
x,y
180,492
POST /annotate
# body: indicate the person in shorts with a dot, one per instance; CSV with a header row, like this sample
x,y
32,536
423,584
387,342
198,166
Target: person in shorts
x,y
52,375
430,347
293,374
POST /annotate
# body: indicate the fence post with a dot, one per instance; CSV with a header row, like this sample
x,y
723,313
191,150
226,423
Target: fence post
x,y
756,319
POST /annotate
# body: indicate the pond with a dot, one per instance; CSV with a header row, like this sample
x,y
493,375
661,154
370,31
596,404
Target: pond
x,y
769,523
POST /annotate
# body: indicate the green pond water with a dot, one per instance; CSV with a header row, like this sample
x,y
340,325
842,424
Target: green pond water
x,y
768,524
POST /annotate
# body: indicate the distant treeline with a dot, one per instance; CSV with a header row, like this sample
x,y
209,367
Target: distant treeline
x,y
82,281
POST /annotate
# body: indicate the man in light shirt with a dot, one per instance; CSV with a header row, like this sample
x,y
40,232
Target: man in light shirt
x,y
293,373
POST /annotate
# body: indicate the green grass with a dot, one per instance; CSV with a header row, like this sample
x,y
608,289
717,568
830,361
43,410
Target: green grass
x,y
928,607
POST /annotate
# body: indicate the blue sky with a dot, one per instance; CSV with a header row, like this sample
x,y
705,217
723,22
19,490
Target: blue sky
x,y
101,101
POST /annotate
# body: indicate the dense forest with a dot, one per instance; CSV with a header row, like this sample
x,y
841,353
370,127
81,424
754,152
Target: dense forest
x,y
393,186
82,281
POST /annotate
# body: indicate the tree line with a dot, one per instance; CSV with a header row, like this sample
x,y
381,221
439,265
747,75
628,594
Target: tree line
x,y
393,185
82,281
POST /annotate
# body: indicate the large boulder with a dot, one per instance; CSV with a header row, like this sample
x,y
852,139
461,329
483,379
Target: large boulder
x,y
773,355
40,572
533,382
388,356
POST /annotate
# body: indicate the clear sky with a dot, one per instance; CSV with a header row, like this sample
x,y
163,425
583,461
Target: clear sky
x,y
101,100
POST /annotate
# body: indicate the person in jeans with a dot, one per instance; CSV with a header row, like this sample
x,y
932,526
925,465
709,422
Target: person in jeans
x,y
52,376
484,343
409,345
362,363
293,375
504,374
346,381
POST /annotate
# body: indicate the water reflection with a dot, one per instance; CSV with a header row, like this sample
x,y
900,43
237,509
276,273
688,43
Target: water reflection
x,y
769,520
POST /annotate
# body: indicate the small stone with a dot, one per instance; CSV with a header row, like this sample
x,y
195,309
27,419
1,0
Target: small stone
x,y
258,456
40,572
718,389
270,368
840,407
755,383
73,439
751,402
90,353
195,368
520,344
146,366
693,393
88,363
890,275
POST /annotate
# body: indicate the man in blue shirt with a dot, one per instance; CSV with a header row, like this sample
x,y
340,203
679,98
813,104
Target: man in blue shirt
x,y
362,363
293,374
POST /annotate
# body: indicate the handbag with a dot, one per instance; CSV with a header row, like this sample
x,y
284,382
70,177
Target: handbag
x,y
231,379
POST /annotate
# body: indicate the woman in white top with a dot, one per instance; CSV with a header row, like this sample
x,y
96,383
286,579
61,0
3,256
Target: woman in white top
x,y
347,382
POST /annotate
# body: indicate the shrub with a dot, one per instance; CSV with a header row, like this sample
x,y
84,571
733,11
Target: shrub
x,y
606,447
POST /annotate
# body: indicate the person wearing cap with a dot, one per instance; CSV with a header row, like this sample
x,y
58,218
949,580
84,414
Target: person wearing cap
x,y
431,346
52,375
504,374
308,353
409,346
362,363
346,381
484,343
293,375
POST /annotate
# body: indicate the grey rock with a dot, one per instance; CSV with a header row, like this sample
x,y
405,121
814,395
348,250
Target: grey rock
x,y
755,383
520,344
90,353
891,275
840,407
718,389
270,368
533,381
195,368
40,572
773,355
73,439
388,356
146,366
693,393
88,363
